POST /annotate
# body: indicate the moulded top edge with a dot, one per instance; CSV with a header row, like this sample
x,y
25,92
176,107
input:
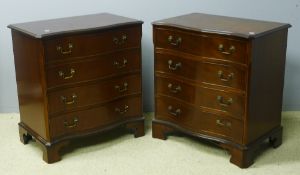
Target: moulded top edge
x,y
44,28
245,28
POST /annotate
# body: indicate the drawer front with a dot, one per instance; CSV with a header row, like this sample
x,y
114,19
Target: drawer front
x,y
91,44
94,68
201,71
88,120
67,99
195,120
202,44
232,104
223,75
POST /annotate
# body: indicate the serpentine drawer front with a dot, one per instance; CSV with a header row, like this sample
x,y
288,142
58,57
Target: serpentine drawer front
x,y
76,77
220,78
206,45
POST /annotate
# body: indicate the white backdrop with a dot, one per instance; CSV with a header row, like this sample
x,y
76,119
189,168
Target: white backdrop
x,y
15,11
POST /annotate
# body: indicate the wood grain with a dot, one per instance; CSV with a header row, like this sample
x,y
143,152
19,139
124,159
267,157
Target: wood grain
x,y
222,25
75,24
231,75
80,79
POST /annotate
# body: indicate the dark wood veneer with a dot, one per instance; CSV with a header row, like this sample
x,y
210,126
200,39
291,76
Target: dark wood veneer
x,y
206,72
95,117
73,25
77,77
94,68
201,44
91,94
223,25
198,120
231,74
201,95
89,44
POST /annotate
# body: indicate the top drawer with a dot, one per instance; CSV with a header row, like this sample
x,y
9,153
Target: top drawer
x,y
91,44
205,45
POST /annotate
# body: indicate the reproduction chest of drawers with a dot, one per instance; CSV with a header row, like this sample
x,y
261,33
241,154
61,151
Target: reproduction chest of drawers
x,y
76,77
221,79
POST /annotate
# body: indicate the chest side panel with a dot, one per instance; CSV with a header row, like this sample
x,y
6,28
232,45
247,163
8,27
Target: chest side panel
x,y
29,66
266,81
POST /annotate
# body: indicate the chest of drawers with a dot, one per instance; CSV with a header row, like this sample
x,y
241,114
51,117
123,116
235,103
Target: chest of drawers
x,y
77,77
221,79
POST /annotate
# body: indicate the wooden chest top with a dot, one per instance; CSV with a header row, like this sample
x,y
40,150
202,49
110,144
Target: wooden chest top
x,y
86,23
245,28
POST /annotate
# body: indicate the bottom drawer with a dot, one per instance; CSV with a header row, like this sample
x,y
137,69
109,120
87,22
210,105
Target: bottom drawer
x,y
87,120
198,121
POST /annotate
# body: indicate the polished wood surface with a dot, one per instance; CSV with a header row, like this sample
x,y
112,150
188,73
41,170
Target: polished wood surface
x,y
266,84
30,83
224,25
67,47
90,119
202,96
78,80
94,93
200,44
215,80
202,71
93,68
199,120
73,25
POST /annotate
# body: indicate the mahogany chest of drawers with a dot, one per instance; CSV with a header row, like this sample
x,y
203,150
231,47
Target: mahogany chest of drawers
x,y
221,79
76,77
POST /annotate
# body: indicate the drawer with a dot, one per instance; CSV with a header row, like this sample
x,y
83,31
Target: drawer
x,y
231,103
206,45
201,71
198,121
91,119
100,92
60,48
93,68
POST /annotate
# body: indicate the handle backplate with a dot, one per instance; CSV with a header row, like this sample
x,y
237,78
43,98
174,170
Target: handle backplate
x,y
224,102
122,111
222,77
174,89
64,76
122,88
174,112
223,123
121,40
173,41
173,66
71,125
69,102
63,51
230,51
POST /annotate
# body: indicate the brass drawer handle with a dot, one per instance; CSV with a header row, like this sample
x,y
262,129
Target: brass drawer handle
x,y
174,66
119,65
223,123
223,102
174,89
175,112
120,41
65,52
66,102
71,125
174,42
222,76
62,74
122,111
120,89
229,52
